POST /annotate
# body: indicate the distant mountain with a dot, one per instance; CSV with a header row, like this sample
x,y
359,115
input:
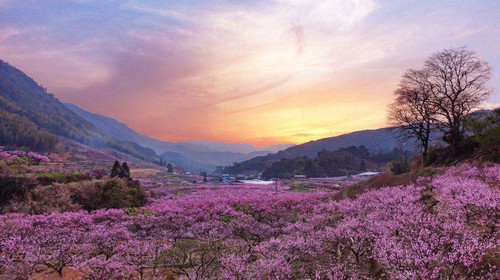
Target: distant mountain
x,y
31,117
375,140
205,155
380,140
122,132
244,148
193,156
277,148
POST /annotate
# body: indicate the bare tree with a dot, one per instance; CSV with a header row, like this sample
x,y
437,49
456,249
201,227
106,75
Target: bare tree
x,y
413,112
457,81
444,92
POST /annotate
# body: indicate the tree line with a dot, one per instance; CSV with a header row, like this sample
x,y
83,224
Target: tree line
x,y
344,161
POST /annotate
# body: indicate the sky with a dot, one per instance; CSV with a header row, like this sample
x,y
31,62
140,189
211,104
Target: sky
x,y
260,72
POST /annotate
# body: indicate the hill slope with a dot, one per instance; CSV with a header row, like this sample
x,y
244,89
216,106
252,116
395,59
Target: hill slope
x,y
21,95
381,140
32,117
376,140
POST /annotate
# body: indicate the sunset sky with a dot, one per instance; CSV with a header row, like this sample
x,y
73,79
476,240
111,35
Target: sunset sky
x,y
262,72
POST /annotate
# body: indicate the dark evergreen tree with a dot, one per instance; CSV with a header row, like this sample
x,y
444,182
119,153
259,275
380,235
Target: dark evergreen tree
x,y
125,171
115,171
170,168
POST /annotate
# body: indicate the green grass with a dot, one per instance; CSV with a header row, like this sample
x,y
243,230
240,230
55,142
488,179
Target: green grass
x,y
181,191
299,189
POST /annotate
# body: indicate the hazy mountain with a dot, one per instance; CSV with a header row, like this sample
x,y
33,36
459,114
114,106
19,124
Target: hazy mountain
x,y
227,147
277,148
375,140
122,132
244,148
205,155
193,156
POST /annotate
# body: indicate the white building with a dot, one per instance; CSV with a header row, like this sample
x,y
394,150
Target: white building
x,y
300,177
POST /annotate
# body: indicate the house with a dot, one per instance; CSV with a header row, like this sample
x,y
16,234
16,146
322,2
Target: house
x,y
300,177
226,178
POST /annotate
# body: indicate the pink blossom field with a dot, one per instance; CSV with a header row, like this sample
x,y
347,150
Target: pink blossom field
x,y
447,227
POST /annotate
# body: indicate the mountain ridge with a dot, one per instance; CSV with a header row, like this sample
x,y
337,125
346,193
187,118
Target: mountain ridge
x,y
123,132
26,105
193,156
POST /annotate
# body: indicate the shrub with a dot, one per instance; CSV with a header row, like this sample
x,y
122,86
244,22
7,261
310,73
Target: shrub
x,y
400,166
14,188
377,182
427,172
46,199
113,193
97,173
27,195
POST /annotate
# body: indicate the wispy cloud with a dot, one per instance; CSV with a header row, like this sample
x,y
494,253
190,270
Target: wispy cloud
x,y
265,72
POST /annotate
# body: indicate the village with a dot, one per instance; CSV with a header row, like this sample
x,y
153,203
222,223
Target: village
x,y
335,182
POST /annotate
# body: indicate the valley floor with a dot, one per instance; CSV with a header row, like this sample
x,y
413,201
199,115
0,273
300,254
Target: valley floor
x,y
442,226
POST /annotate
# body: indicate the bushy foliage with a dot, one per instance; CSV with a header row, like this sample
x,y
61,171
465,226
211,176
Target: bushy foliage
x,y
486,133
21,156
45,199
392,155
37,195
286,168
113,193
480,143
170,168
400,166
256,164
446,227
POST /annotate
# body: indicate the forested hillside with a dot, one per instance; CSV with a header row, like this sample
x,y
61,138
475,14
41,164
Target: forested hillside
x,y
32,118
21,95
